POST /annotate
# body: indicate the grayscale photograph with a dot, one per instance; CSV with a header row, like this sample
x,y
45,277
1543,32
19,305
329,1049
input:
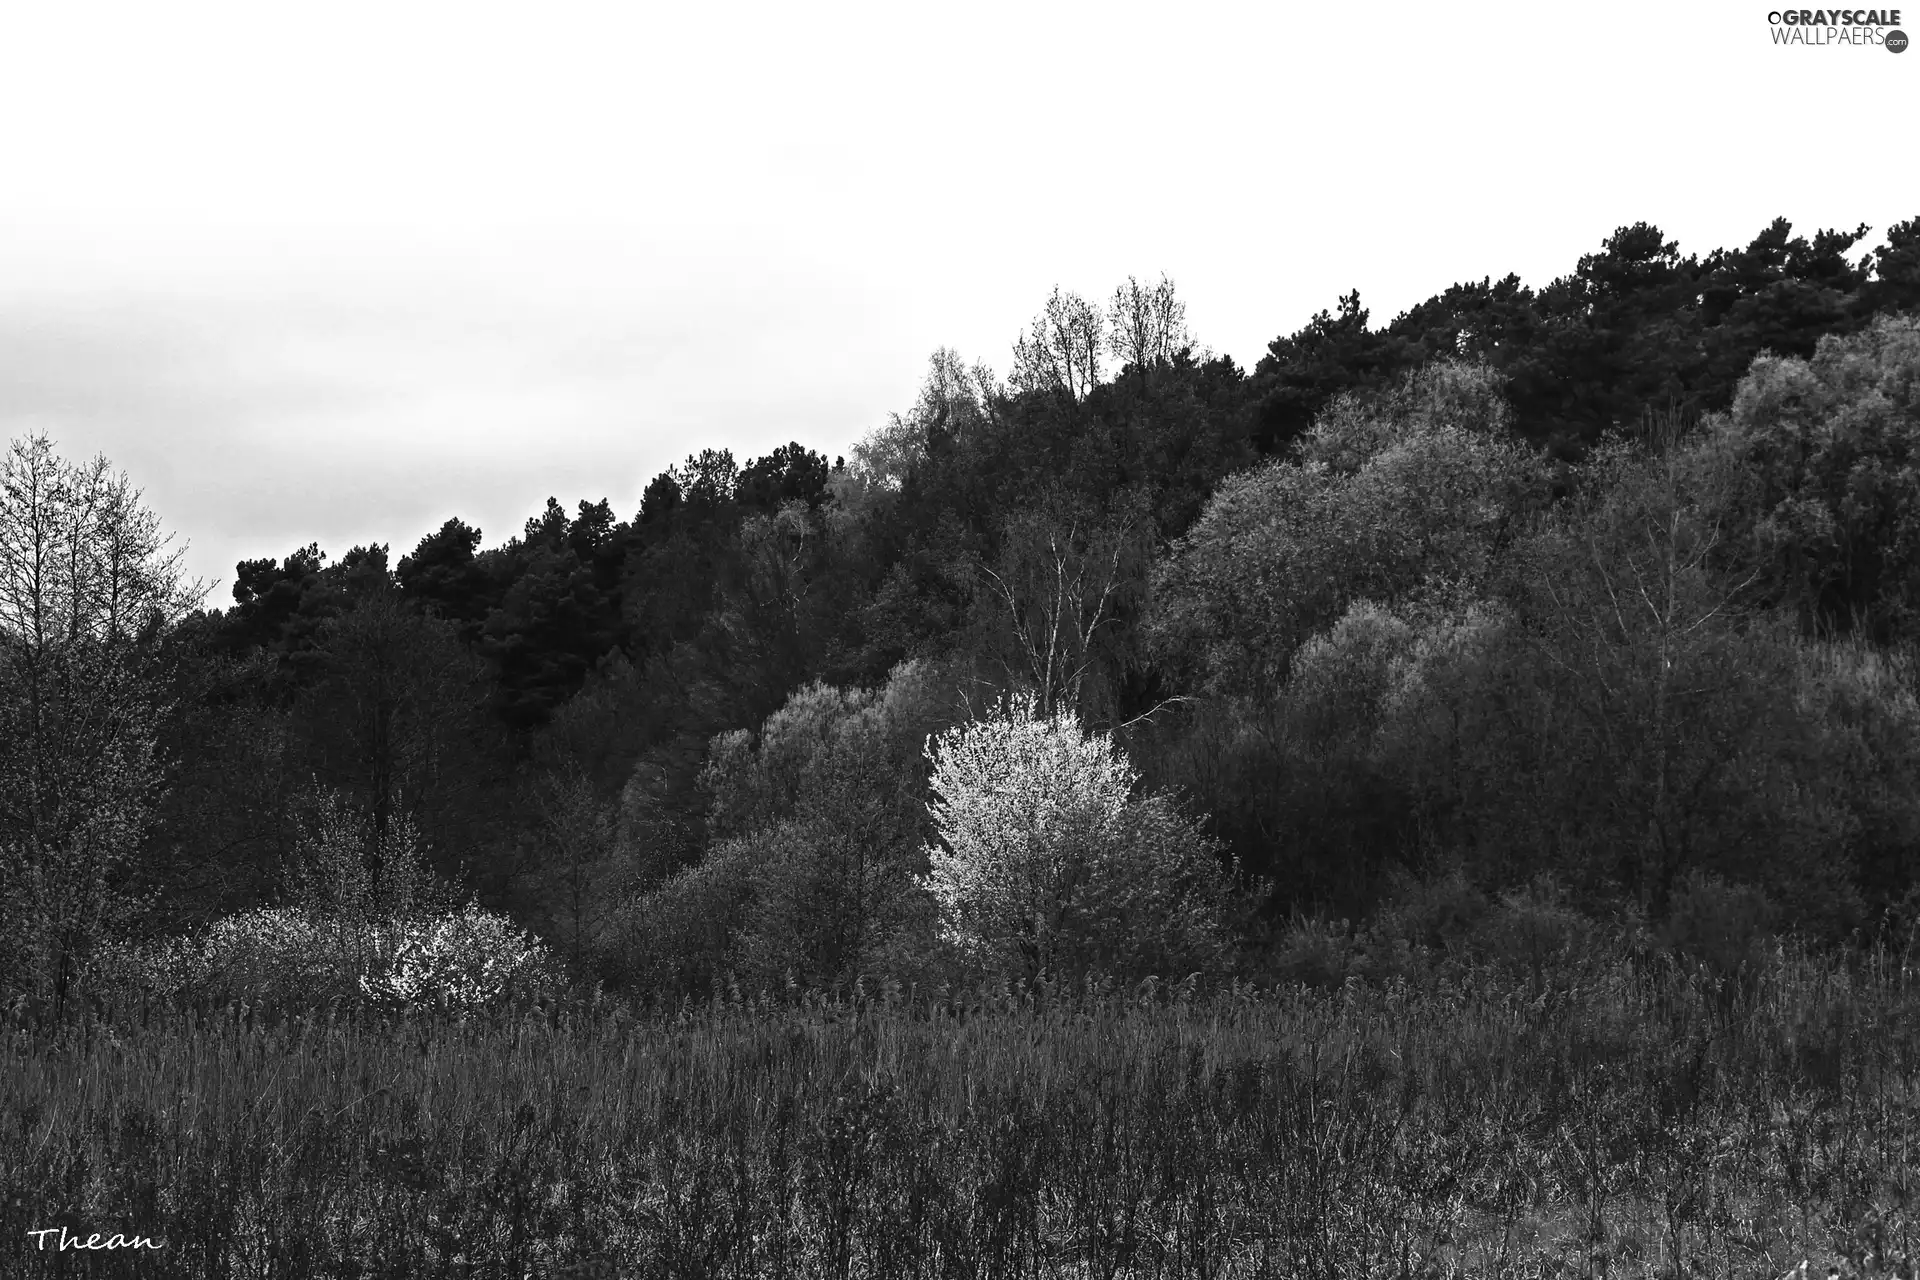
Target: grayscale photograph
x,y
1003,641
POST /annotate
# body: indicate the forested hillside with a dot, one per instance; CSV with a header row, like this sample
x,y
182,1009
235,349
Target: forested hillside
x,y
1612,582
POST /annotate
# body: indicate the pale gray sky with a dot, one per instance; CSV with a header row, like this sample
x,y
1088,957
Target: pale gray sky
x,y
338,273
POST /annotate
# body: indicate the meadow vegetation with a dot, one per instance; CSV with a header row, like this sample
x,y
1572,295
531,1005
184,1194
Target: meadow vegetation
x,y
1525,1099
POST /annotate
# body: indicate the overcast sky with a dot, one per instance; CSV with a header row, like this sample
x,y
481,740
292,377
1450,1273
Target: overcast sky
x,y
339,272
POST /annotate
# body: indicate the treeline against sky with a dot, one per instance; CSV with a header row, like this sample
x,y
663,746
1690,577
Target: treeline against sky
x,y
1612,580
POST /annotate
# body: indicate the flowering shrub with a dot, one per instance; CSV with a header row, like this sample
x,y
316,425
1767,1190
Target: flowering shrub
x,y
468,960
1046,861
275,957
1019,801
285,958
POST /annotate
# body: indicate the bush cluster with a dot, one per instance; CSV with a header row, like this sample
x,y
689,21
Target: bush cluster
x,y
287,959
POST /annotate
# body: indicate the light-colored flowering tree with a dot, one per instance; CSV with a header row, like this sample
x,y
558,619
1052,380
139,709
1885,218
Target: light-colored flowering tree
x,y
1047,863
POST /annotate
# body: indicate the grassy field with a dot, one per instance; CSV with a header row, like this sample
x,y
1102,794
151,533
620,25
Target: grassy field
x,y
1646,1121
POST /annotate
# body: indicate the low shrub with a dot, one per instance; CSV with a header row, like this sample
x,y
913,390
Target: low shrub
x,y
1443,927
1536,938
287,959
1314,951
1434,912
1722,929
469,960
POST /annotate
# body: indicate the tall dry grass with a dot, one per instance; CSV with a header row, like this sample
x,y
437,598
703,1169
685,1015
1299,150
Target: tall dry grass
x,y
1649,1120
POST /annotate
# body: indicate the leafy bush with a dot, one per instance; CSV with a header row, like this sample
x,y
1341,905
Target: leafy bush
x,y
357,936
1534,937
1865,726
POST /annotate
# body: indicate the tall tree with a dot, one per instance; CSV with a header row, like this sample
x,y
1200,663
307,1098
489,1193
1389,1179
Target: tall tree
x,y
392,720
444,574
1060,592
1148,326
788,474
1301,374
1060,354
88,583
1895,285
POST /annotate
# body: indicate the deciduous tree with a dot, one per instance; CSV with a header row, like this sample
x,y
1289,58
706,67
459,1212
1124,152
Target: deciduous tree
x,y
88,582
1060,354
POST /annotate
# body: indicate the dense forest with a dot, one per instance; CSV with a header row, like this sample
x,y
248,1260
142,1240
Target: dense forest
x,y
1610,585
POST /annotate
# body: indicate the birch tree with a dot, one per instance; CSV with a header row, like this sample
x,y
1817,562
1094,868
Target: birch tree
x,y
1062,584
